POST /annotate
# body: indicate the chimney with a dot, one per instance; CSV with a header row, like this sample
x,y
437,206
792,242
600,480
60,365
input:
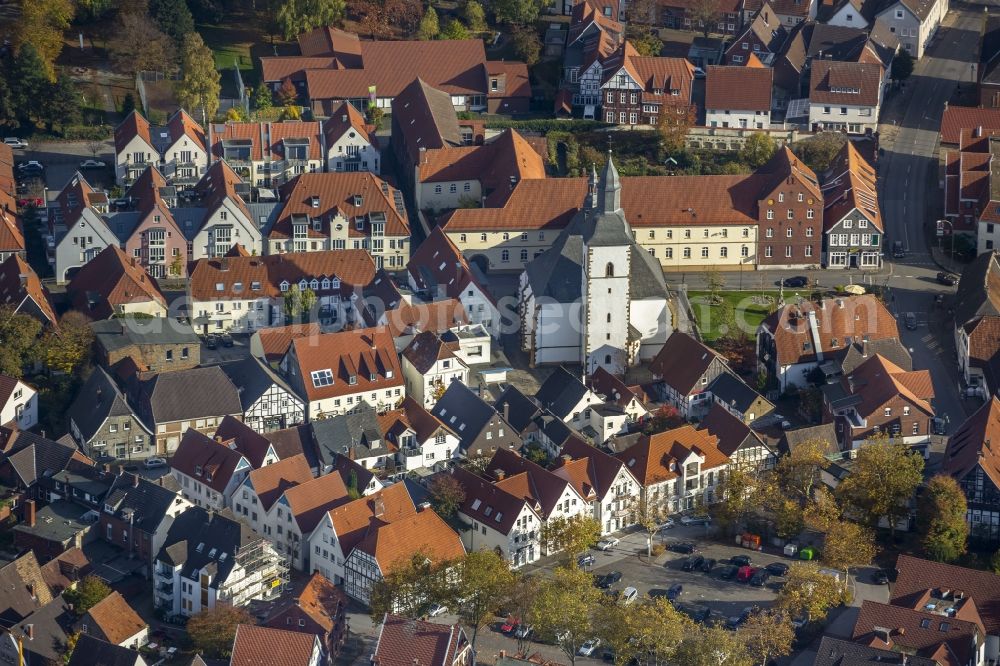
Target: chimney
x,y
29,631
218,439
979,132
123,327
29,513
506,411
135,480
499,474
31,590
120,469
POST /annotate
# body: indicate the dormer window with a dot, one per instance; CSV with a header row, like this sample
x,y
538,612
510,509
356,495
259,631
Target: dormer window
x,y
314,285
353,380
335,283
197,470
358,200
303,284
284,285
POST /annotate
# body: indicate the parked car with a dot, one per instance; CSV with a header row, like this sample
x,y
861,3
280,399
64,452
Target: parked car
x,y
31,165
628,595
227,340
880,577
607,543
744,574
693,562
605,581
777,568
92,164
696,520
211,342
682,547
897,250
795,282
939,426
154,463
16,143
586,560
696,612
699,73
760,578
737,621
589,647
667,524
524,631
708,565
658,593
949,279
740,560
509,625
437,609
728,572
911,321
674,591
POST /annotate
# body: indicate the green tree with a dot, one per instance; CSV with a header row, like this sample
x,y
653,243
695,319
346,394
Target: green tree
x,y
87,594
308,301
454,30
446,495
758,148
262,98
475,16
649,515
572,536
292,302
287,94
819,150
128,104
808,593
527,45
941,519
483,577
71,641
712,646
767,636
32,89
518,12
213,630
429,27
199,86
902,65
142,46
67,349
658,628
704,13
645,41
173,18
563,608
375,116
797,473
995,562
42,25
884,478
352,485
62,105
736,497
18,339
298,16
410,583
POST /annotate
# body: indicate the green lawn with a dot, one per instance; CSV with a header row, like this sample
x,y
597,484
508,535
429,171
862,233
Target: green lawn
x,y
231,46
740,307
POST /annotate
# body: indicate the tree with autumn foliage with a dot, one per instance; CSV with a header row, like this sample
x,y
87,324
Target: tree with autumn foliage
x,y
213,630
672,125
941,519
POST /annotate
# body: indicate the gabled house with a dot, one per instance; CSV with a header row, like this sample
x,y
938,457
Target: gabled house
x,y
423,118
18,404
294,515
268,402
685,15
318,609
683,369
183,149
38,639
269,154
601,479
402,641
25,590
762,38
852,220
134,150
26,459
208,470
172,402
112,619
218,217
153,235
210,558
845,96
438,270
349,143
977,323
914,22
262,487
335,372
270,344
800,337
639,89
956,636
553,496
677,469
841,652
78,227
480,428
90,650
342,210
787,12
738,398
23,292
255,646
630,399
103,422
744,447
113,284
737,96
880,397
429,367
161,345
971,460
420,438
355,435
390,547
581,408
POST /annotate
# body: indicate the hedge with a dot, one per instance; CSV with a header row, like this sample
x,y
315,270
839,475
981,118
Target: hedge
x,y
547,125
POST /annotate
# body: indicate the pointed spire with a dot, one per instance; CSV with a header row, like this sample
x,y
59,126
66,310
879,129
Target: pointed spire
x,y
611,187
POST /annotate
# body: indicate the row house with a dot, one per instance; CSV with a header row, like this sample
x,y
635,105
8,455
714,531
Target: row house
x,y
914,22
738,441
77,227
254,644
253,500
208,559
629,399
356,436
762,38
852,219
151,233
104,423
683,370
677,469
970,202
11,227
159,345
336,372
795,340
977,319
770,217
429,366
481,429
582,407
269,403
337,211
319,609
738,97
788,13
603,480
115,285
337,66
688,15
247,293
208,470
266,154
421,439
592,37
845,96
877,398
639,89
970,460
178,150
219,218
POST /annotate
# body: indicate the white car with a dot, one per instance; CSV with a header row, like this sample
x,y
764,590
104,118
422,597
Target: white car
x,y
153,463
607,544
437,609
667,524
589,647
92,164
15,142
696,520
629,595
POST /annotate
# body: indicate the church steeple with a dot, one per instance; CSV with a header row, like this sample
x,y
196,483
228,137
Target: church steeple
x,y
611,187
591,202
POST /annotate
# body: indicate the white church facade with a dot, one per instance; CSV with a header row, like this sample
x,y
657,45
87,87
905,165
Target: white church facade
x,y
595,298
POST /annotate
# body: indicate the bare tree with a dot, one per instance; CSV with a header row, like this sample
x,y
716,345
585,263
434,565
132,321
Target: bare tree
x,y
704,13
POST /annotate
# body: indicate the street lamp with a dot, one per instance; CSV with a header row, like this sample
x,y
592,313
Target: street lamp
x,y
940,233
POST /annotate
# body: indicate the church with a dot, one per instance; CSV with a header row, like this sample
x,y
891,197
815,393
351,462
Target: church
x,y
594,298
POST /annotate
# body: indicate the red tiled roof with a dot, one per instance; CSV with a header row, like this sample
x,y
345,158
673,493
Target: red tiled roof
x,y
134,125
879,380
276,340
279,68
958,118
19,285
426,349
410,415
916,576
515,78
438,316
358,353
682,361
238,275
851,186
320,600
352,521
181,124
656,458
207,460
113,616
270,481
950,640
266,138
830,80
972,444
310,500
259,646
110,280
438,263
524,478
343,119
738,88
406,642
593,467
424,532
247,441
218,185
327,40
783,7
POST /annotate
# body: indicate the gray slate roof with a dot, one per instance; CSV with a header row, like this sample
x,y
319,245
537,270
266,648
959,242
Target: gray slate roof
x,y
148,501
826,432
459,405
59,522
33,456
891,349
733,391
98,400
115,334
189,394
90,650
123,224
520,408
355,435
838,652
561,392
50,625
973,297
252,379
218,531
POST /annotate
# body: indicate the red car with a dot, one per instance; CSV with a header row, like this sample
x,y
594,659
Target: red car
x,y
509,625
745,574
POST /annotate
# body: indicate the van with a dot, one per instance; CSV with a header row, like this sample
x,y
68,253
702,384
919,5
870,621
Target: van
x,y
897,250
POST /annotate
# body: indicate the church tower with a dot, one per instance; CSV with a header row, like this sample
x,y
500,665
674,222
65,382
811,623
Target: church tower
x,y
606,261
